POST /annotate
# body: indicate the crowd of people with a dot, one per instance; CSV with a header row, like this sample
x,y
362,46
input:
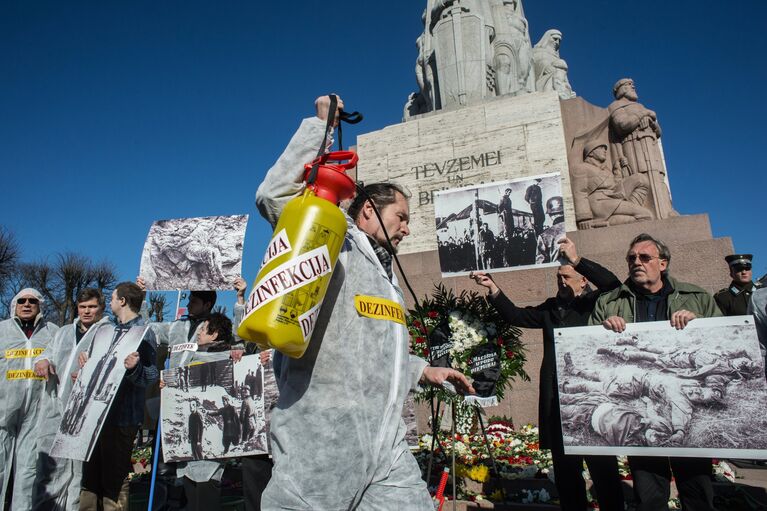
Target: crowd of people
x,y
649,293
336,431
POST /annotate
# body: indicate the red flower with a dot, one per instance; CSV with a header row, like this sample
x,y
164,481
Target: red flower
x,y
509,354
420,340
499,341
426,351
432,314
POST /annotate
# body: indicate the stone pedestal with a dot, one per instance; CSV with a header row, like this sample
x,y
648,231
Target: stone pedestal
x,y
695,257
501,139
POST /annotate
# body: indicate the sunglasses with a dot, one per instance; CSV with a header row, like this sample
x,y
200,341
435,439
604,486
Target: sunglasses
x,y
31,301
741,267
644,258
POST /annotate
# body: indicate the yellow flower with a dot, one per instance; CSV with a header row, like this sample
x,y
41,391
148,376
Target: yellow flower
x,y
479,473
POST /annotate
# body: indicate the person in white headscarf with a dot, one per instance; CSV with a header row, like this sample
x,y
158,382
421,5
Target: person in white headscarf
x,y
22,337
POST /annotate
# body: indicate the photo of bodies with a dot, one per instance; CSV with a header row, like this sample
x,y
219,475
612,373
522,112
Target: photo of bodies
x,y
213,410
498,226
656,391
196,254
94,391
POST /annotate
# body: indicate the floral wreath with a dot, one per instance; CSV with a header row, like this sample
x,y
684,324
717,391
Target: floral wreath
x,y
452,331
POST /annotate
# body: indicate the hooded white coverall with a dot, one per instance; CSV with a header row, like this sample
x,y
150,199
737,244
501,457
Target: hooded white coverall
x,y
59,480
20,392
338,438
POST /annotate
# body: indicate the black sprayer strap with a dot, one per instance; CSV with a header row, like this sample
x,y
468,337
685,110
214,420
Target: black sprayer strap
x,y
351,118
328,126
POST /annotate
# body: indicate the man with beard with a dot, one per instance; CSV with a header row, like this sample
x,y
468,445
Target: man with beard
x,y
349,387
634,134
570,307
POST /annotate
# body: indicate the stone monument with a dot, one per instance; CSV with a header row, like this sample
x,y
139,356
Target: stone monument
x,y
490,107
472,50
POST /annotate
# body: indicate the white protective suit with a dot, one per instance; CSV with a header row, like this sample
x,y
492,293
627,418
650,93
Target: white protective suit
x,y
58,481
338,438
177,332
20,392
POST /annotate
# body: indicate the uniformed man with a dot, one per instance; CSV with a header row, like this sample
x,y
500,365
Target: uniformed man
x,y
733,301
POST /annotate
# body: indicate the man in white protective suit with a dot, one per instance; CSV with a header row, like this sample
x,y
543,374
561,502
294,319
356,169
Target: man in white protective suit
x,y
58,480
337,431
22,337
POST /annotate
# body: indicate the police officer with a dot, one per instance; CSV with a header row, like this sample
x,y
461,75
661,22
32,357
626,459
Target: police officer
x,y
733,301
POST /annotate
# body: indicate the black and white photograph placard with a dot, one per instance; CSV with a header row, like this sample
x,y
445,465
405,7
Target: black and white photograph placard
x,y
213,410
500,226
195,254
653,390
94,390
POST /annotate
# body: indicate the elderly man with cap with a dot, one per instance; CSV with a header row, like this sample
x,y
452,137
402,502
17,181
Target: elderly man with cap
x,y
733,300
22,338
601,200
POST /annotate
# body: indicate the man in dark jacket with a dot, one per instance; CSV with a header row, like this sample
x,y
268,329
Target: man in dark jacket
x,y
231,429
571,307
733,300
195,431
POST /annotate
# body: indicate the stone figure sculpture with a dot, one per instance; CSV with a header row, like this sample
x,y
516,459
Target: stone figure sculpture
x,y
634,133
601,200
550,68
470,50
512,49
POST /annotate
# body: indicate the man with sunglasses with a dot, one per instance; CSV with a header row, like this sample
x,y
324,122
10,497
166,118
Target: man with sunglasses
x,y
22,338
733,300
651,294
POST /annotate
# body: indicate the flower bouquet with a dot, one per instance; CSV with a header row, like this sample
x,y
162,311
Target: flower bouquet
x,y
466,333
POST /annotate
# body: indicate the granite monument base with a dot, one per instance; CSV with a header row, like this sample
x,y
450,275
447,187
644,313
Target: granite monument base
x,y
696,257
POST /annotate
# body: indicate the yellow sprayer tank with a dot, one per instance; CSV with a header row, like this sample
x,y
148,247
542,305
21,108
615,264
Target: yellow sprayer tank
x,y
285,301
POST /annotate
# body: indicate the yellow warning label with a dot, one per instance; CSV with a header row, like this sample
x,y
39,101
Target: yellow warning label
x,y
22,374
23,353
379,308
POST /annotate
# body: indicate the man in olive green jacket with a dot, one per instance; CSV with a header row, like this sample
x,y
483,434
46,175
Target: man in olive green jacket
x,y
650,294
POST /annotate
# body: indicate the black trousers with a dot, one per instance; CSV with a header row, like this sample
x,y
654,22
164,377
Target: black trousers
x,y
568,473
110,461
256,472
202,496
652,482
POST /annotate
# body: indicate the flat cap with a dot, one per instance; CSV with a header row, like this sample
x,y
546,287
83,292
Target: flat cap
x,y
736,259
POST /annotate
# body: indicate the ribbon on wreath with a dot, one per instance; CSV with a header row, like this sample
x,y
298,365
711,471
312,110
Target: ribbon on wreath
x,y
440,344
485,369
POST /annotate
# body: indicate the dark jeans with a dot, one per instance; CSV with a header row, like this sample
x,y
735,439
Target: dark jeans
x,y
256,472
652,482
110,462
568,472
202,496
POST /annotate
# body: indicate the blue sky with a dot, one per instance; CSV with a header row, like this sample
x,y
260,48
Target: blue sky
x,y
116,114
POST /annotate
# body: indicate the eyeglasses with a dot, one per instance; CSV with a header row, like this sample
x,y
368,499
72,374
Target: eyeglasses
x,y
31,301
741,267
644,258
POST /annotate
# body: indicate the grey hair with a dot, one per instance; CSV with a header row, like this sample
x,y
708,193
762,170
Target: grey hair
x,y
663,250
